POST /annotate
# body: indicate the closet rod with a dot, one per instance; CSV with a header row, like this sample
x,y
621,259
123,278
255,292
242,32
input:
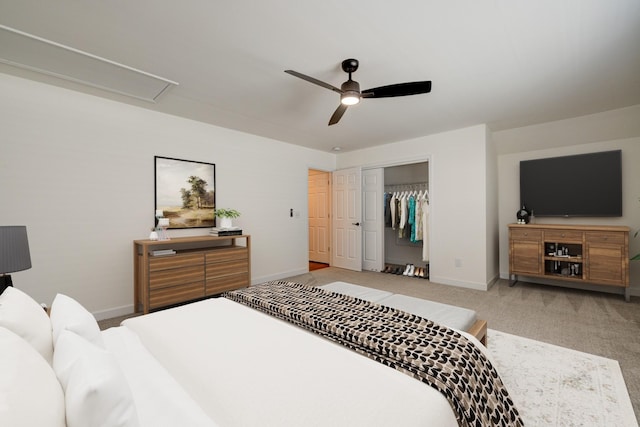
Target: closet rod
x,y
412,185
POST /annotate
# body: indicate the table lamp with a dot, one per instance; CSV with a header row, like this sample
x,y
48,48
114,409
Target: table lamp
x,y
14,253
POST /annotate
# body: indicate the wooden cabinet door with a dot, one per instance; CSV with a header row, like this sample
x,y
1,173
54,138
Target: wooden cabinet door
x,y
607,257
525,257
606,264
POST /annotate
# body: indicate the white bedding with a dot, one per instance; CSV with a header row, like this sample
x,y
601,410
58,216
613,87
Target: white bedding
x,y
160,401
245,368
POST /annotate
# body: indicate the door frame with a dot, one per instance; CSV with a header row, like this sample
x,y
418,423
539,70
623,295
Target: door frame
x,y
420,159
329,205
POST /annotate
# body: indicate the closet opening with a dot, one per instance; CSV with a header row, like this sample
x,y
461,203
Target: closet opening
x,y
406,220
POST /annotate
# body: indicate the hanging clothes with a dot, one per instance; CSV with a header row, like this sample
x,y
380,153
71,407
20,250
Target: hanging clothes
x,y
392,210
412,218
403,215
396,208
403,212
388,220
418,220
425,229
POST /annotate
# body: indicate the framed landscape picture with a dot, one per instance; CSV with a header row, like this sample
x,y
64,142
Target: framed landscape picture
x,y
185,192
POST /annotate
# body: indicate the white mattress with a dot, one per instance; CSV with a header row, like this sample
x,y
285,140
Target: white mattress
x,y
444,314
245,368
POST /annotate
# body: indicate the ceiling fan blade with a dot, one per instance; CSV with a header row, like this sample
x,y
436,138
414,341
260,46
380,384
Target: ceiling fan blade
x,y
314,81
400,89
337,115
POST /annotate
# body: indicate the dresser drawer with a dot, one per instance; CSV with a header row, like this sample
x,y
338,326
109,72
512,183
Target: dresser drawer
x,y
526,234
226,254
175,294
175,261
219,269
563,236
227,283
175,276
605,237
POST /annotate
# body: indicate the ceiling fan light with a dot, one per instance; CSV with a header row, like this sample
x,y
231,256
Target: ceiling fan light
x,y
350,98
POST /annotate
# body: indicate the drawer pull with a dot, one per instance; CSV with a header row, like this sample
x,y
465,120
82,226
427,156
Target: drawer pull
x,y
526,234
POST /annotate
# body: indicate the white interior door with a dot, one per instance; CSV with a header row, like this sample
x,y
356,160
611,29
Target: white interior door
x,y
346,208
373,219
319,222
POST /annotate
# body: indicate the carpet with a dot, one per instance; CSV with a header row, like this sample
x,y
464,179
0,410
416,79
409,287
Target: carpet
x,y
557,386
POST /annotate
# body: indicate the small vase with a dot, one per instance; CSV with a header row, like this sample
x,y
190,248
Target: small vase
x,y
226,222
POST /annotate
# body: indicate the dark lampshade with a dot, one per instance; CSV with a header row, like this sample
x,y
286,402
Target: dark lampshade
x,y
14,252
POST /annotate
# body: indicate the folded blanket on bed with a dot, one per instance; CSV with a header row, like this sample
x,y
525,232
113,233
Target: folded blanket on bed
x,y
433,354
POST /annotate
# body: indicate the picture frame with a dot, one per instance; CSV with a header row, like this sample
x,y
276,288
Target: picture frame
x,y
185,192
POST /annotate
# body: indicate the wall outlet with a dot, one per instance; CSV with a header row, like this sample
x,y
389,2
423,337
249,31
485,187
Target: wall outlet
x,y
458,263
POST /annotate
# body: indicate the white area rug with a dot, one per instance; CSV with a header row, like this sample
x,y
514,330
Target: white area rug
x,y
557,386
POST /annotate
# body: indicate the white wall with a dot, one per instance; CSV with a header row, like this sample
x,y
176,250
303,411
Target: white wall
x,y
492,225
458,196
78,171
508,172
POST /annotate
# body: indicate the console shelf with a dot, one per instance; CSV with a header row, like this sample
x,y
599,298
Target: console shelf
x,y
573,253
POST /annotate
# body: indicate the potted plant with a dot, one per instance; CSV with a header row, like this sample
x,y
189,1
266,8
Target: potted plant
x,y
226,216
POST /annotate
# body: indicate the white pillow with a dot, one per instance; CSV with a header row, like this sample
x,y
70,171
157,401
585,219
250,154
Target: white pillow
x,y
96,391
67,313
30,394
23,315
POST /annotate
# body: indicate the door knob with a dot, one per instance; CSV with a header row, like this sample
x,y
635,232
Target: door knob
x,y
357,224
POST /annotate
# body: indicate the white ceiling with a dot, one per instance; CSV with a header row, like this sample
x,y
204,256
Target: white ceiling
x,y
502,62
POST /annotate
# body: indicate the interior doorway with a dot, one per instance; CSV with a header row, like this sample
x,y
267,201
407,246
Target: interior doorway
x,y
319,199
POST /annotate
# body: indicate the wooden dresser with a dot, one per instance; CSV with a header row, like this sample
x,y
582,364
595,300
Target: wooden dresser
x,y
201,266
576,253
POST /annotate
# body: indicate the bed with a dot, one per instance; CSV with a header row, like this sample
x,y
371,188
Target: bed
x,y
216,362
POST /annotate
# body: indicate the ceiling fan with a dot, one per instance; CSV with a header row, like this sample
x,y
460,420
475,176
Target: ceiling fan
x,y
350,93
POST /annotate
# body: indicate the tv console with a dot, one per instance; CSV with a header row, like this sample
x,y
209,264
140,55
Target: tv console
x,y
595,254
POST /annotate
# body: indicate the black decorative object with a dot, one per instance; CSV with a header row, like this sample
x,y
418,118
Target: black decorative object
x,y
14,253
523,215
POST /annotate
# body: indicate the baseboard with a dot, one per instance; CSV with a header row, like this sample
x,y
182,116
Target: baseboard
x,y
113,312
493,281
459,283
262,279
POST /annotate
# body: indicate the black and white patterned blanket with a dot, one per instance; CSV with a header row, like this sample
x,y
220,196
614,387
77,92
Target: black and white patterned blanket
x,y
436,355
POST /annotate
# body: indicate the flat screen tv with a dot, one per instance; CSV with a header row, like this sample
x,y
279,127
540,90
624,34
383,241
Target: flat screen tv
x,y
579,185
